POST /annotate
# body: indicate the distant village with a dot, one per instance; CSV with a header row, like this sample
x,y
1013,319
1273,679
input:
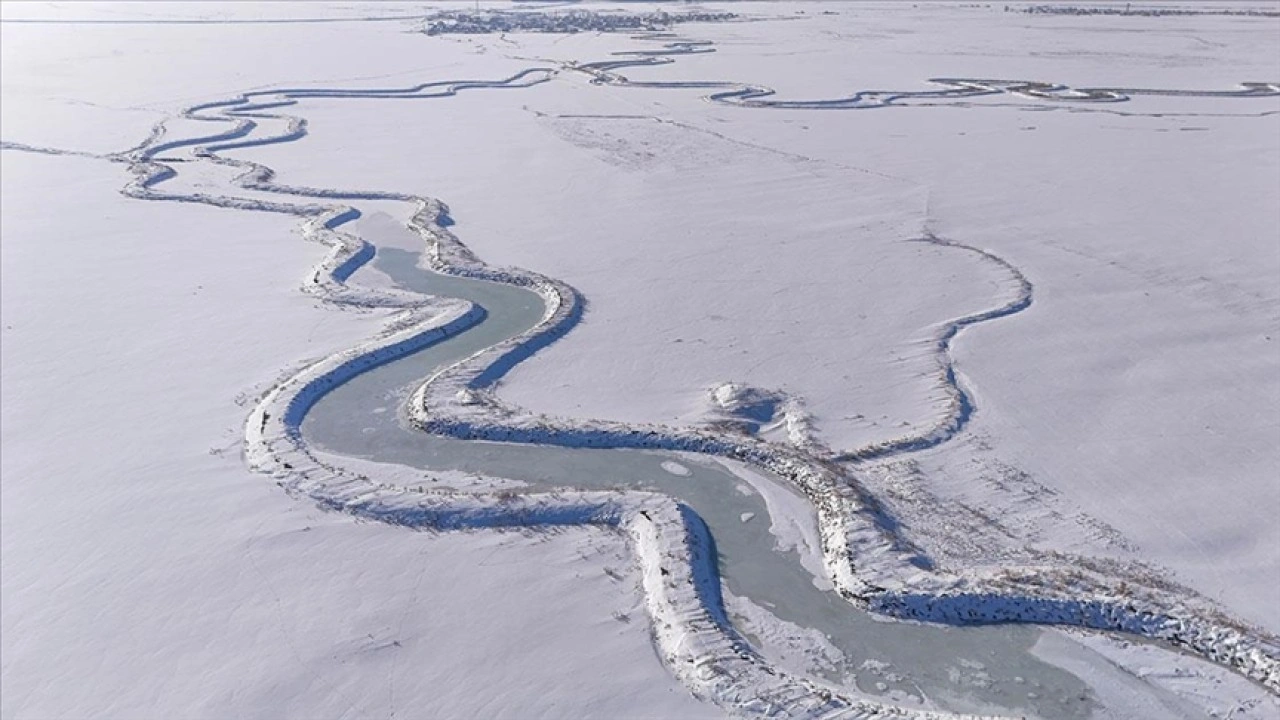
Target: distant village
x,y
480,23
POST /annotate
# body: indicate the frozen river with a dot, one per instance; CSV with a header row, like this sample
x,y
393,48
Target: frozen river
x,y
960,668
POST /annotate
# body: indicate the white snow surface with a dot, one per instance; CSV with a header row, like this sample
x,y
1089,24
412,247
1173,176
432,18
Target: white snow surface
x,y
147,573
767,247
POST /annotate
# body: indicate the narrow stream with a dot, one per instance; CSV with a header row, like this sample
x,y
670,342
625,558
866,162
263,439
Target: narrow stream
x,y
958,668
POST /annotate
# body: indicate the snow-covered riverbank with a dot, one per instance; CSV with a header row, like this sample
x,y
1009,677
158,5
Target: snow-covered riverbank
x,y
871,562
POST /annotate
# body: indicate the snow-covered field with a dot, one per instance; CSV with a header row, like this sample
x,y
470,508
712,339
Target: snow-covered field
x,y
146,572
1123,423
